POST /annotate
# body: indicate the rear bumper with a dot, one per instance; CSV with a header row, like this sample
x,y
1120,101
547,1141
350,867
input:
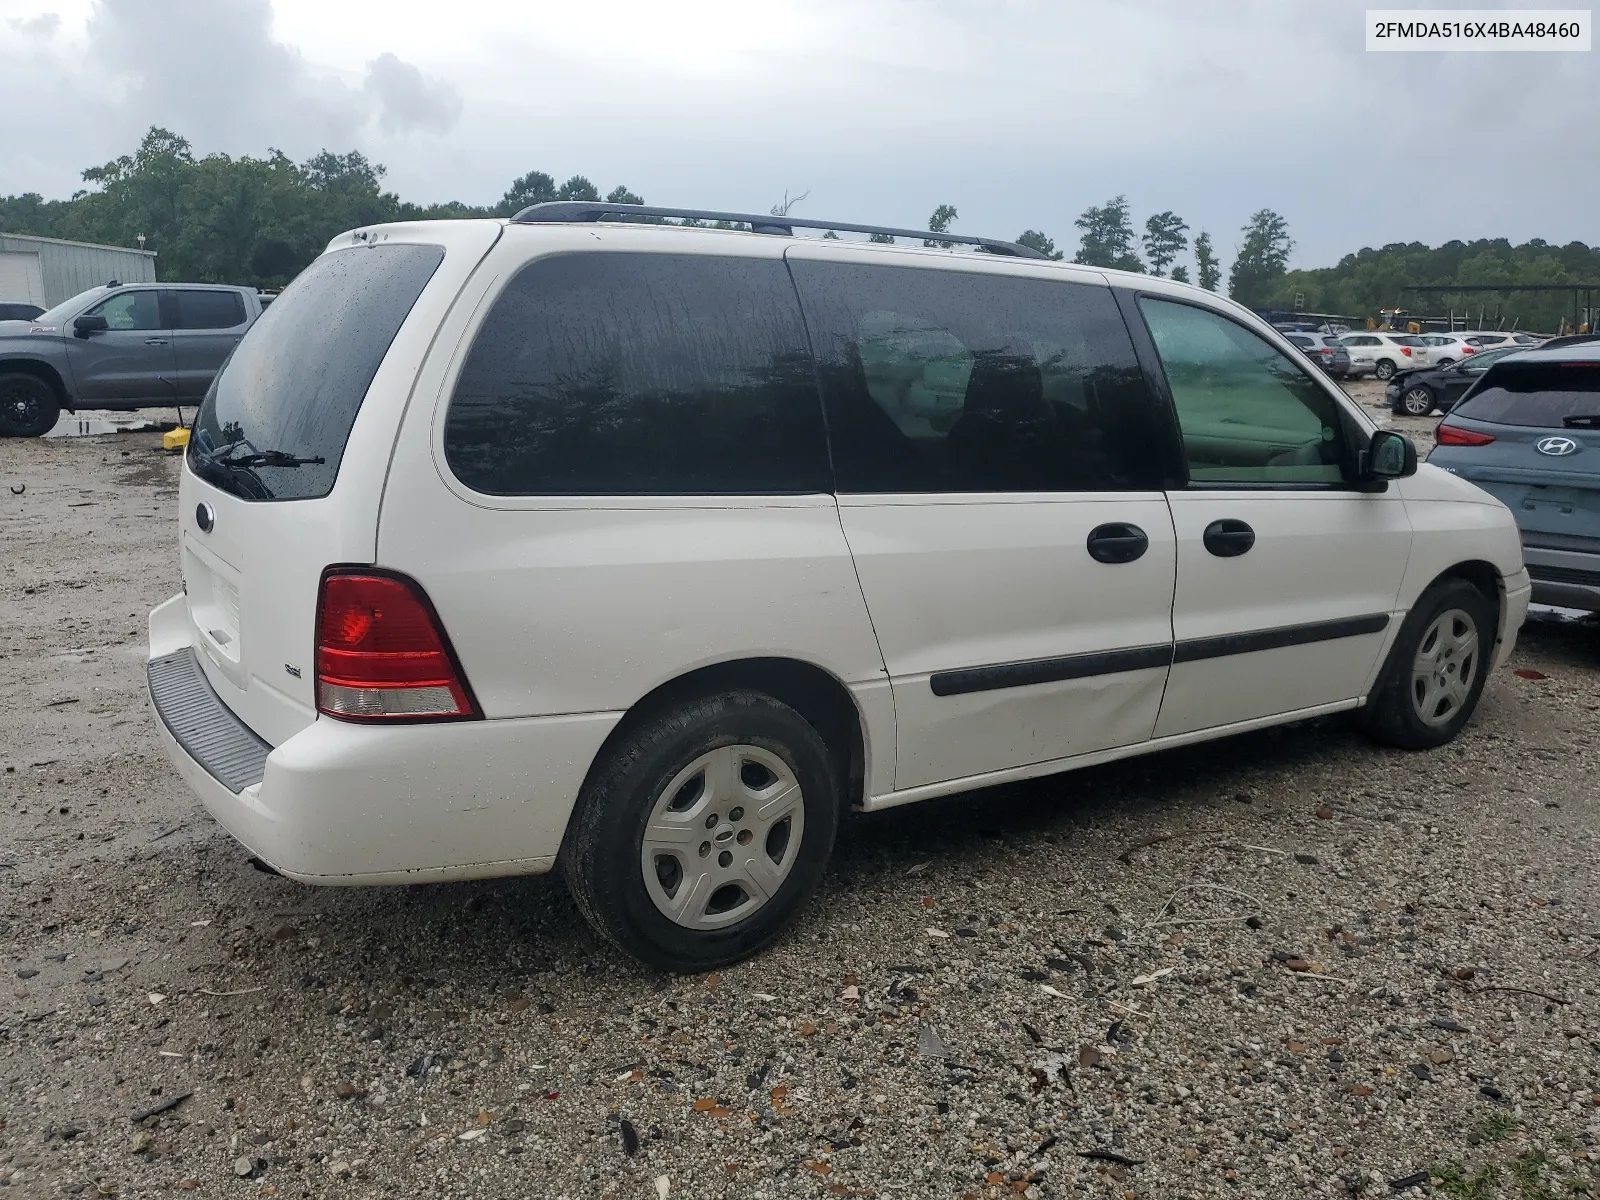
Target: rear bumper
x,y
1567,578
342,803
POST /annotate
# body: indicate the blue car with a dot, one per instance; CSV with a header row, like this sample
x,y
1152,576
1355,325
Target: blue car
x,y
1529,433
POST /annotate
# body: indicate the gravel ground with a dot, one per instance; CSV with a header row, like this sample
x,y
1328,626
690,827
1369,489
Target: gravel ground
x,y
1286,964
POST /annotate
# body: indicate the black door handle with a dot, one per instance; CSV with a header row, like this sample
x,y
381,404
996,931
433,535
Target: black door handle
x,y
1228,538
1117,542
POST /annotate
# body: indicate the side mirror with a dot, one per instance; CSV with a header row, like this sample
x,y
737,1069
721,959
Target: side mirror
x,y
85,325
1390,456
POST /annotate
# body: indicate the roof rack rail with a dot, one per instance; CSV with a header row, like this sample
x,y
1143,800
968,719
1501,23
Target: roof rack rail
x,y
584,210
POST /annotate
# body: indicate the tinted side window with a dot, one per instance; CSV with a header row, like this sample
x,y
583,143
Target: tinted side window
x,y
640,374
1248,413
941,381
208,310
130,310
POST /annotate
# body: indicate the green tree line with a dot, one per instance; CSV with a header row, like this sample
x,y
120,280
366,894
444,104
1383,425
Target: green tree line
x,y
246,220
259,221
1371,279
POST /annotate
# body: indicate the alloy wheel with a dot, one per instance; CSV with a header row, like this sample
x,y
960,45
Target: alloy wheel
x,y
1418,402
20,403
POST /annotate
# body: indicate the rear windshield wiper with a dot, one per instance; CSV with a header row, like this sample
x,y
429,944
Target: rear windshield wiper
x,y
263,458
1582,421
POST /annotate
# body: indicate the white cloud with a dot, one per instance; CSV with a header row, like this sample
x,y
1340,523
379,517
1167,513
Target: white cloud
x,y
406,99
43,27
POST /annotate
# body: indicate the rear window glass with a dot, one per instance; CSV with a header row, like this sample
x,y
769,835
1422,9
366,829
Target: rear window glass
x,y
1302,342
640,374
1408,340
1543,395
275,422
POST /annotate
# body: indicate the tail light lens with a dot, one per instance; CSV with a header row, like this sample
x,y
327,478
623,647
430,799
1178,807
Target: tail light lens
x,y
382,655
1469,349
1406,350
1453,435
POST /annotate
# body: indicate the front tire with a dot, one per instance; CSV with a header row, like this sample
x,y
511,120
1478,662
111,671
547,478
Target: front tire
x,y
1417,401
29,406
1436,669
1384,371
703,832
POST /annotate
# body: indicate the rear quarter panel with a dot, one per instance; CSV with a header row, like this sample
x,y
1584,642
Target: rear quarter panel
x,y
561,605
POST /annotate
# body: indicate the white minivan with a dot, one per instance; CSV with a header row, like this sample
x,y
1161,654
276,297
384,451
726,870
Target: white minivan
x,y
646,550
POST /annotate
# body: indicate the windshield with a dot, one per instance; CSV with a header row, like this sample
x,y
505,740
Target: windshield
x,y
58,314
1543,395
275,422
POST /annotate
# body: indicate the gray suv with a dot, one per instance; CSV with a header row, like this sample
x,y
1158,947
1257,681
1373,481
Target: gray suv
x,y
139,346
1529,432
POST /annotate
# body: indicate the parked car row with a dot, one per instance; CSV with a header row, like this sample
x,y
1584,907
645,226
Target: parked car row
x,y
1383,355
119,347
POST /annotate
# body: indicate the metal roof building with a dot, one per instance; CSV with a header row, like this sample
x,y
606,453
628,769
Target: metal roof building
x,y
46,271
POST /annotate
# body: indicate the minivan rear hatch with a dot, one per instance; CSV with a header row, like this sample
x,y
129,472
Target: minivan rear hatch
x,y
290,451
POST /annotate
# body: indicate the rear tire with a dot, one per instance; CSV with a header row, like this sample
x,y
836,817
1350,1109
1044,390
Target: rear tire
x,y
1384,371
1431,682
704,830
1417,401
29,406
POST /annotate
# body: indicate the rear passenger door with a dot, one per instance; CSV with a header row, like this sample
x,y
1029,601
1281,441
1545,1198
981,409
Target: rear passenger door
x,y
992,452
1287,573
206,324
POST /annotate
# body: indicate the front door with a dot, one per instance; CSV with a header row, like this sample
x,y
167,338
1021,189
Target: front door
x,y
207,324
1006,520
1287,574
130,361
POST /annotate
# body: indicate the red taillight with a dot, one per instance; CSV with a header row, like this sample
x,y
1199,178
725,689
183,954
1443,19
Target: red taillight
x,y
1469,349
381,655
1326,352
1453,435
1406,350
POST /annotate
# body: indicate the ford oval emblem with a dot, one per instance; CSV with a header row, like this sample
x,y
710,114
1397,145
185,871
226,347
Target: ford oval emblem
x,y
204,517
1556,446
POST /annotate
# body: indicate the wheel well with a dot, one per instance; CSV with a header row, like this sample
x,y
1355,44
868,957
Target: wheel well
x,y
812,692
1486,579
41,371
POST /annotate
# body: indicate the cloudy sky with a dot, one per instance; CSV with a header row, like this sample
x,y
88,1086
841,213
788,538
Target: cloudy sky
x,y
1019,112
